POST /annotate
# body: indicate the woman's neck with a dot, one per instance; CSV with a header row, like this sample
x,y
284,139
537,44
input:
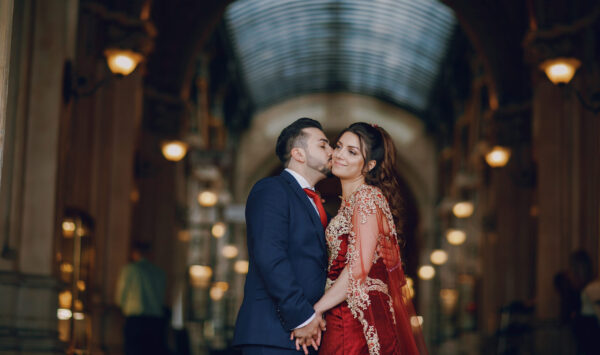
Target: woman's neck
x,y
350,185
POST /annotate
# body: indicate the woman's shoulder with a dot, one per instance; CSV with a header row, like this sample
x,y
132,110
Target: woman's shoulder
x,y
368,193
368,198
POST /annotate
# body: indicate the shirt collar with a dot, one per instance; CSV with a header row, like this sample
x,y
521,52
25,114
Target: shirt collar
x,y
301,180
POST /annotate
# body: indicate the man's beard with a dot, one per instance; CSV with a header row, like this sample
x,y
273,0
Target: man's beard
x,y
323,168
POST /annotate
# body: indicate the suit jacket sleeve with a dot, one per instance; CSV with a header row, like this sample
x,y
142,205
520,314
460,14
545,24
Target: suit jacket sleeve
x,y
268,216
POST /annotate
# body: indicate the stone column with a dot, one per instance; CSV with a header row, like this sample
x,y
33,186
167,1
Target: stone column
x,y
28,287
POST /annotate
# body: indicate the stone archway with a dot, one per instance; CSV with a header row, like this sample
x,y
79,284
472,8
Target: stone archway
x,y
417,160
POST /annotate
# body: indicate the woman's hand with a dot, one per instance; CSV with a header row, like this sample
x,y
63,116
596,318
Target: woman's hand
x,y
389,251
309,335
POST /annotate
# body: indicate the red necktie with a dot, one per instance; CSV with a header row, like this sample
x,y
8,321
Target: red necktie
x,y
317,199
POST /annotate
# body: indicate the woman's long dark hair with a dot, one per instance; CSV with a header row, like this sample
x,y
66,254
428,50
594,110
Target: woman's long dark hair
x,y
376,144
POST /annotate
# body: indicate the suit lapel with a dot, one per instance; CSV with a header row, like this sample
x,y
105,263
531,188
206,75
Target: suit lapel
x,y
314,215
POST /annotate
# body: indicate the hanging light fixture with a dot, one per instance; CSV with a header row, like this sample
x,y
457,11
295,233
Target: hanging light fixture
x,y
498,156
122,61
560,70
463,209
174,150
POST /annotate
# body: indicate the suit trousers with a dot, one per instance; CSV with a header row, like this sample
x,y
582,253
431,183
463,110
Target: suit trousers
x,y
145,335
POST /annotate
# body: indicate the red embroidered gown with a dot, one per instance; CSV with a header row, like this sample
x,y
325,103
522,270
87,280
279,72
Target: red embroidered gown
x,y
376,316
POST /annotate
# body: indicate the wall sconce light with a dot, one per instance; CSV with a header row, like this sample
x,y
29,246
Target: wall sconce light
x,y
174,150
560,71
122,61
498,156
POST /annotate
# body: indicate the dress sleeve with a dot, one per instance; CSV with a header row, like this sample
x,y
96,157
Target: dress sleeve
x,y
372,224
364,237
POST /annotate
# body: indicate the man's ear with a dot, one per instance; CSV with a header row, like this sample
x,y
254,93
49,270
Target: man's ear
x,y
371,165
298,154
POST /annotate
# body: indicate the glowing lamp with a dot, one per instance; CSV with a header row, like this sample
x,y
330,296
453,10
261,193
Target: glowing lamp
x,y
217,291
449,298
456,236
207,198
560,70
122,61
174,150
241,266
497,157
426,272
218,229
66,268
64,299
416,321
229,251
79,316
439,257
68,228
63,314
200,275
463,209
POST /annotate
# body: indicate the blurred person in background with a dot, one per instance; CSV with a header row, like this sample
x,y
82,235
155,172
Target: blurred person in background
x,y
140,295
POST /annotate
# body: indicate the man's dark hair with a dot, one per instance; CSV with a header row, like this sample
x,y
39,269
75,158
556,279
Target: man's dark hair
x,y
292,136
141,246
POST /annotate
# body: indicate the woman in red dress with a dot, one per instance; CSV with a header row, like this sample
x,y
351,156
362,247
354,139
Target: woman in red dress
x,y
367,304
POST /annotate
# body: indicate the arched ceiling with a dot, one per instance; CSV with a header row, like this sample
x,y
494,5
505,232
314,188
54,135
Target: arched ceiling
x,y
389,49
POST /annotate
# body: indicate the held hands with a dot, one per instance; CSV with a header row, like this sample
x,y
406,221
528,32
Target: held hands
x,y
310,334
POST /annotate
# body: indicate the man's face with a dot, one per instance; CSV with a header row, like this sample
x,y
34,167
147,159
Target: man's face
x,y
318,151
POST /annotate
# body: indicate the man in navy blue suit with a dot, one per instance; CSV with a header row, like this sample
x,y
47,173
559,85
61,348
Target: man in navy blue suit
x,y
286,247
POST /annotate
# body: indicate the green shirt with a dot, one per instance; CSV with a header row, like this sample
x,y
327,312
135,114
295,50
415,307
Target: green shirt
x,y
141,289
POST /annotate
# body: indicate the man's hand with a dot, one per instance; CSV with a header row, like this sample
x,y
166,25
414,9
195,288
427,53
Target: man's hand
x,y
389,251
310,334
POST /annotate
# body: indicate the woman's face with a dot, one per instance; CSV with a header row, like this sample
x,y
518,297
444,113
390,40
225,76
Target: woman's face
x,y
347,159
